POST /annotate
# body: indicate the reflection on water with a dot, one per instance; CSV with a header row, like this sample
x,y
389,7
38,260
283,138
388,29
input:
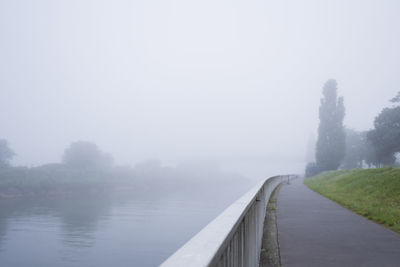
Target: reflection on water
x,y
79,218
97,230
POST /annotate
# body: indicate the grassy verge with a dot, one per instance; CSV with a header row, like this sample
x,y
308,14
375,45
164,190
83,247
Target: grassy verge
x,y
373,193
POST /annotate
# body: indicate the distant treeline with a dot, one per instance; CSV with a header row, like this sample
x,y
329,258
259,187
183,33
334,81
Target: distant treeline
x,y
339,147
85,169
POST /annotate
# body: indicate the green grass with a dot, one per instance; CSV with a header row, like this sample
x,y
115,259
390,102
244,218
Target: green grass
x,y
373,193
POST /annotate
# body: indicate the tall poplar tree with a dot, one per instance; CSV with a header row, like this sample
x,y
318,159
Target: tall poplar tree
x,y
331,143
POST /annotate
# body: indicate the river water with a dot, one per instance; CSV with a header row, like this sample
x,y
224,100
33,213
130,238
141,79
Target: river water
x,y
98,231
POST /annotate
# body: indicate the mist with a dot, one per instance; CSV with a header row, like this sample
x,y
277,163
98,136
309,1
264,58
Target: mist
x,y
214,80
174,105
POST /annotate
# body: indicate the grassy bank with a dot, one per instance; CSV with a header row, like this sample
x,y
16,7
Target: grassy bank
x,y
373,193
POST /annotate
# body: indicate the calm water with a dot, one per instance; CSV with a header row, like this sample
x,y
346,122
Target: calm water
x,y
94,231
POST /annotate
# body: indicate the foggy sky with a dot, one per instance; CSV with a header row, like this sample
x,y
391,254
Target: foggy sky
x,y
177,80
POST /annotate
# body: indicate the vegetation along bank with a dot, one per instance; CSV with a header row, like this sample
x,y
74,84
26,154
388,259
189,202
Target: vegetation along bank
x,y
373,193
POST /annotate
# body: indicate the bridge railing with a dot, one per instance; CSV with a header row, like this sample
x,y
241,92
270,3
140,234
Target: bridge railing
x,y
234,237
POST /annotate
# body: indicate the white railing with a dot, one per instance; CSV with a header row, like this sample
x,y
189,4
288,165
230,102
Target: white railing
x,y
234,237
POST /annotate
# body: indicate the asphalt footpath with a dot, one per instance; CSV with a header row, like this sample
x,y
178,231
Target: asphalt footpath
x,y
315,231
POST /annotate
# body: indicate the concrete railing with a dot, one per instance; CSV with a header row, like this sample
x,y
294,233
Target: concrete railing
x,y
234,237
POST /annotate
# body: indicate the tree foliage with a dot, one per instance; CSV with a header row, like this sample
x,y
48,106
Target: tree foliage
x,y
370,157
356,149
330,148
6,154
86,155
385,137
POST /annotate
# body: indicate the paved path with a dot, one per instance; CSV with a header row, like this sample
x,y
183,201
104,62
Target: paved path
x,y
315,231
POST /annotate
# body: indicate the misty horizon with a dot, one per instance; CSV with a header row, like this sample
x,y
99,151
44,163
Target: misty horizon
x,y
179,81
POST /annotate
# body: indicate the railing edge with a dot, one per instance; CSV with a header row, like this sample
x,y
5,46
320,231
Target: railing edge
x,y
182,255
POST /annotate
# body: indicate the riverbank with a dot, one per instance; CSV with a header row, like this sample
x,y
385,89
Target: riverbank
x,y
58,180
372,193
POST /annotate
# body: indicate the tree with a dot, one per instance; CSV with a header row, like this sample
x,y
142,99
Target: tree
x,y
331,144
370,153
86,155
355,149
396,99
6,154
385,138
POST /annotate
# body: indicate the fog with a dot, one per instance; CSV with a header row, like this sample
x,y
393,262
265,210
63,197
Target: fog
x,y
232,82
135,123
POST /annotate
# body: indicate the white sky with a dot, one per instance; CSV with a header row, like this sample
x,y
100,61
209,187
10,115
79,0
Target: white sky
x,y
179,80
